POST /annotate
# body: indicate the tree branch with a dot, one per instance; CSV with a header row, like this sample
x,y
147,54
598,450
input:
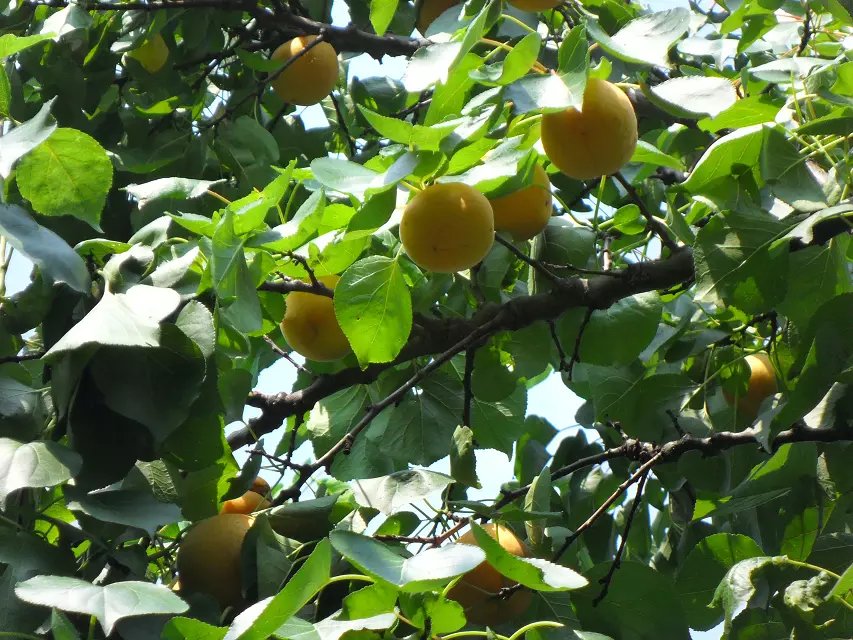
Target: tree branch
x,y
431,335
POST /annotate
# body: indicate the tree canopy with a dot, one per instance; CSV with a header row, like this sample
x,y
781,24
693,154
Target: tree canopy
x,y
182,219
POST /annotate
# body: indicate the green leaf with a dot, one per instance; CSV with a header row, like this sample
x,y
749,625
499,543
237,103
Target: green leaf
x,y
628,220
535,573
391,493
108,604
381,14
734,264
25,137
67,174
463,464
844,585
635,591
49,251
333,417
731,155
783,168
134,508
645,40
428,570
335,627
374,308
704,568
179,628
743,586
745,112
307,519
155,387
170,188
354,179
516,64
538,498
130,319
649,154
34,464
694,96
262,619
10,44
545,93
786,70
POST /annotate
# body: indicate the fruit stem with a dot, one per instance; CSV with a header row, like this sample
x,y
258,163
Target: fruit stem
x,y
520,23
535,625
537,66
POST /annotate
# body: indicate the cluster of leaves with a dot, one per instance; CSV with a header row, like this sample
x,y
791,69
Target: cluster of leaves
x,y
168,214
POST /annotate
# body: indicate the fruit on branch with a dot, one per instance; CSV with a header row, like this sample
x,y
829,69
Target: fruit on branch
x,y
477,591
310,325
253,500
430,10
525,212
311,76
209,557
534,5
448,227
762,383
152,55
595,141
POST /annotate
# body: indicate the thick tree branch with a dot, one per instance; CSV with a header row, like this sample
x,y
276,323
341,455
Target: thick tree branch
x,y
341,38
433,336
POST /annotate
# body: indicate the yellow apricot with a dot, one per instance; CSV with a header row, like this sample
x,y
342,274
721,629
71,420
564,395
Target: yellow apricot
x,y
430,10
309,78
525,212
310,325
596,141
447,227
477,590
152,55
762,383
248,503
534,5
209,557
261,486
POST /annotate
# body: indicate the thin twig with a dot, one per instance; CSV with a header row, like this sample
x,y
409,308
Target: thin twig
x,y
466,386
282,353
652,222
576,352
532,262
617,560
564,363
343,125
21,358
634,477
432,541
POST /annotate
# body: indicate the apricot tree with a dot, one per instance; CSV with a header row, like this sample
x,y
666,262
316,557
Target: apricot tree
x,y
201,284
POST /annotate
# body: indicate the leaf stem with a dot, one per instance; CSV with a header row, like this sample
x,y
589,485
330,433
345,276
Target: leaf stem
x,y
549,624
350,577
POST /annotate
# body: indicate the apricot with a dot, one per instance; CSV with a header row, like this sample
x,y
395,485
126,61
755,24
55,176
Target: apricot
x,y
448,227
152,55
596,141
477,590
209,557
311,77
524,213
762,383
249,502
430,10
261,486
310,325
534,5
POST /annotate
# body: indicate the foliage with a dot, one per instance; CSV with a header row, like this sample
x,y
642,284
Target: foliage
x,y
168,213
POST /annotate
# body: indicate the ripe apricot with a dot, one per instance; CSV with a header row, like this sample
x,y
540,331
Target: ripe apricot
x,y
261,486
310,325
152,55
209,557
448,227
249,502
430,10
477,590
309,78
525,212
595,141
762,383
534,5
